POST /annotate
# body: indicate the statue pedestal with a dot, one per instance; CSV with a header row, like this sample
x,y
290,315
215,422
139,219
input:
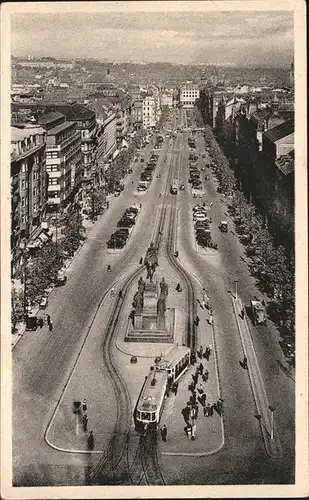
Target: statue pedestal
x,y
161,323
138,322
150,298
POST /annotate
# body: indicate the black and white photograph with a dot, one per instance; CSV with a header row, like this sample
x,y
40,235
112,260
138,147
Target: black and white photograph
x,y
154,250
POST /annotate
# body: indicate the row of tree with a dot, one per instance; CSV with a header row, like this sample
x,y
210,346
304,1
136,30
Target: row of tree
x,y
272,265
40,270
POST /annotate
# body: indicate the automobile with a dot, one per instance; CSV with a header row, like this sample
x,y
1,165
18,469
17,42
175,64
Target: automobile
x,y
119,236
43,303
200,218
136,160
117,193
223,226
182,187
198,207
115,243
61,278
158,176
125,222
31,322
203,169
134,210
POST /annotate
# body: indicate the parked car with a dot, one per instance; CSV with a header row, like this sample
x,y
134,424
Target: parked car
x,y
61,278
43,303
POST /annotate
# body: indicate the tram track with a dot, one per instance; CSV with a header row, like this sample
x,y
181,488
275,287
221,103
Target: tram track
x,y
108,469
114,466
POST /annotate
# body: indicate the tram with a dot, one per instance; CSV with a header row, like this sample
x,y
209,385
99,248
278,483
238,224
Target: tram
x,y
168,369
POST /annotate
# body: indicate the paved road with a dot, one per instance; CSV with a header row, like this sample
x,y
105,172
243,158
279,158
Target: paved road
x,y
42,361
243,458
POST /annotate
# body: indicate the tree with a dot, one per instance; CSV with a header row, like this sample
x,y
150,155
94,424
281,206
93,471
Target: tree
x,y
17,308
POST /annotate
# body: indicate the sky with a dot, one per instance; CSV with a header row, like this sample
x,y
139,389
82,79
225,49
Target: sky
x,y
235,38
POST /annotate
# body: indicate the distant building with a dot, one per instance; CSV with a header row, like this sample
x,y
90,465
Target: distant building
x,y
149,112
28,186
167,99
189,94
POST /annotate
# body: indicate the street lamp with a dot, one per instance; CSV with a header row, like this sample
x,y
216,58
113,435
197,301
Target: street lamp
x,y
272,409
236,282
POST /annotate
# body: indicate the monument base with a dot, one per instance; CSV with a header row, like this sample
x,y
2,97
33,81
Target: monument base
x,y
149,330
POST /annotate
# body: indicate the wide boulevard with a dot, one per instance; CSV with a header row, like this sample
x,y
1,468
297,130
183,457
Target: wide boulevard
x,y
43,361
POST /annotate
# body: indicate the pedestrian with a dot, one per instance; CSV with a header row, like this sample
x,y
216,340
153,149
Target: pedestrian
x,y
85,422
211,319
242,313
203,399
48,318
109,268
200,389
112,291
50,325
164,433
245,363
90,440
40,322
193,431
207,353
210,410
84,405
201,368
200,353
188,430
175,387
197,320
120,294
205,376
219,406
193,358
141,260
263,303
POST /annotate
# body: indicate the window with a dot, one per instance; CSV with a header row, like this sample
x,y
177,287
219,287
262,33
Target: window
x,y
35,191
52,168
23,184
53,181
23,202
23,219
35,207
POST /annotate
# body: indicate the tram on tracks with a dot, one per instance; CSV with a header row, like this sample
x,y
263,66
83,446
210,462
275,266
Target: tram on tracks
x,y
167,370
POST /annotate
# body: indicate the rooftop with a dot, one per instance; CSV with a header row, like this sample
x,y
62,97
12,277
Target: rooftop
x,y
50,117
75,111
285,163
282,130
59,128
19,134
261,114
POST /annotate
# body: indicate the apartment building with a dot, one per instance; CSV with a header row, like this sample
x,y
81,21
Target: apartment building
x,y
28,186
189,94
63,164
149,112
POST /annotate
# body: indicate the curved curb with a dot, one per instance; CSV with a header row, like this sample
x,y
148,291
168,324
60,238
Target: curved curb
x,y
53,416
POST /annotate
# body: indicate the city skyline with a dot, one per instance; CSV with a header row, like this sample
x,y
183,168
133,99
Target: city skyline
x,y
256,38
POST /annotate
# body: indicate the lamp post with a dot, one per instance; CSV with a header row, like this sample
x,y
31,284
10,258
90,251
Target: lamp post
x,y
272,409
236,282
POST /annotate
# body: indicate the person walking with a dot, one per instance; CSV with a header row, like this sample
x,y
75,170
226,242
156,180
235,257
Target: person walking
x,y
245,363
85,422
48,319
109,268
141,260
201,368
90,440
50,325
242,313
193,431
175,388
211,319
205,376
84,405
112,291
164,433
197,320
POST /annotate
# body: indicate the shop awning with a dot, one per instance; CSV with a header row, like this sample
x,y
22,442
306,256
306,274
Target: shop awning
x,y
115,153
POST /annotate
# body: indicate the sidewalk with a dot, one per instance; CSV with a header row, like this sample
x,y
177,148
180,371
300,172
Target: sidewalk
x,y
265,415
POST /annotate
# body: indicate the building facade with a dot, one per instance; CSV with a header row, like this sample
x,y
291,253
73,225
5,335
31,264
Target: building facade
x,y
28,186
189,94
63,164
149,112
